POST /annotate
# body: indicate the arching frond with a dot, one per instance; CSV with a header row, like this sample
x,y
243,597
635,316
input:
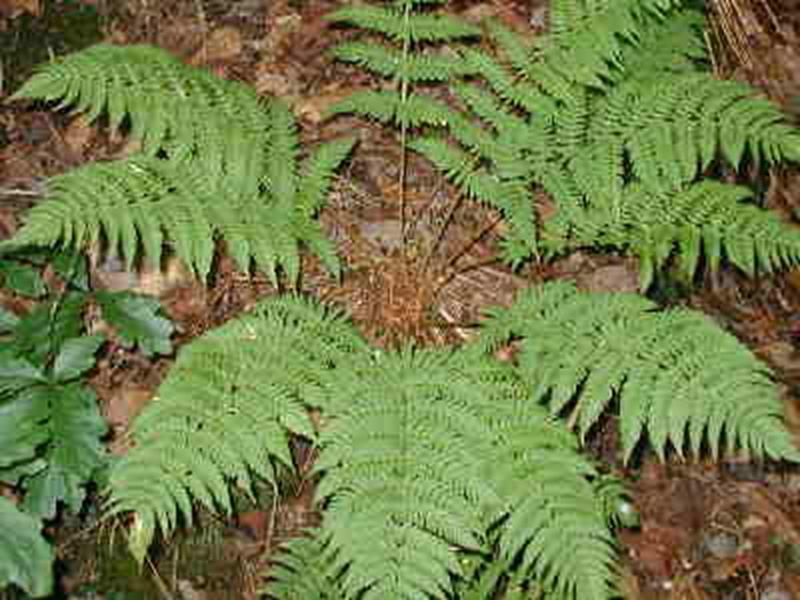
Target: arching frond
x,y
585,353
217,163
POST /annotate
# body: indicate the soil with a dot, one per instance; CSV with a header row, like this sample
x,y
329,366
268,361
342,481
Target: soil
x,y
727,530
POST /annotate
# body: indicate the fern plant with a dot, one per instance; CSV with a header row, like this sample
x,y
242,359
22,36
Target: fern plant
x,y
584,353
410,33
50,424
215,162
409,36
440,470
239,390
614,116
412,454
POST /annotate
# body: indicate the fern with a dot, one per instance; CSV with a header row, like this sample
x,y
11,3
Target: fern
x,y
613,117
224,413
587,352
448,451
406,36
389,470
188,113
407,27
409,452
440,470
303,570
216,162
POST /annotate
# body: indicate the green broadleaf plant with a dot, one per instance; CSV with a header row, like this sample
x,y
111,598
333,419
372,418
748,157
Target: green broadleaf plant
x,y
25,557
51,429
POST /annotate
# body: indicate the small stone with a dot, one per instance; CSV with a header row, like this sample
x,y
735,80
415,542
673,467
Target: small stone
x,y
721,545
775,594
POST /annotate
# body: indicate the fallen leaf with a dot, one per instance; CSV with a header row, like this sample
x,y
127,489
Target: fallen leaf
x,y
125,404
14,8
223,43
78,135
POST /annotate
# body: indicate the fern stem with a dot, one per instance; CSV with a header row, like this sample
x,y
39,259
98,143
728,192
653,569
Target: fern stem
x,y
440,234
456,257
404,127
455,273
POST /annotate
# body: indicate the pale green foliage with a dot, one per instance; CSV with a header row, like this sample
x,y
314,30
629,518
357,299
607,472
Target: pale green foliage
x,y
675,376
422,455
224,412
407,33
188,113
441,469
216,162
425,454
613,116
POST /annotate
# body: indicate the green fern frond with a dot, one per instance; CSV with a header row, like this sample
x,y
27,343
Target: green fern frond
x,y
587,40
125,203
281,169
388,468
710,219
487,108
171,107
507,85
517,50
317,173
224,412
217,163
556,528
618,142
428,451
506,185
585,352
461,167
390,62
389,107
671,45
406,53
302,571
676,128
146,201
389,21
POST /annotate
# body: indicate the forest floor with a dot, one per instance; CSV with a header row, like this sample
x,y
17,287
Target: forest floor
x,y
727,530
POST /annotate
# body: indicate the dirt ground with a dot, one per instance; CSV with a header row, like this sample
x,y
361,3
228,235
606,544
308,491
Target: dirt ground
x,y
708,530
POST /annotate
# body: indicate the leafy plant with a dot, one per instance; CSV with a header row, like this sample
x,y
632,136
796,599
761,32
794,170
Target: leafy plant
x,y
446,457
215,162
447,471
406,38
585,353
50,424
615,117
239,389
410,32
